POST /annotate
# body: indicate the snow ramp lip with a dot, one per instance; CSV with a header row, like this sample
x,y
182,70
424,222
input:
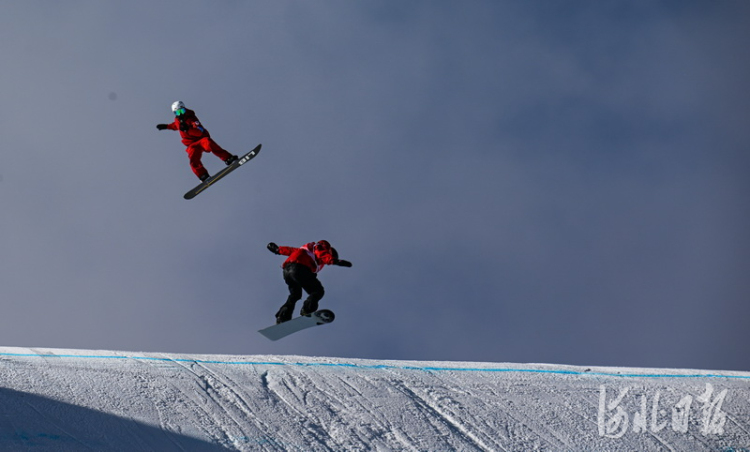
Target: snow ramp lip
x,y
101,400
364,364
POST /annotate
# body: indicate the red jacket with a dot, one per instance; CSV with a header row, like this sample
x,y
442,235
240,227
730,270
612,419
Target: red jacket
x,y
195,130
312,255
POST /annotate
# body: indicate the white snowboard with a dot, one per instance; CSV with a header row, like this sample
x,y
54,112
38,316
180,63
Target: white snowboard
x,y
276,332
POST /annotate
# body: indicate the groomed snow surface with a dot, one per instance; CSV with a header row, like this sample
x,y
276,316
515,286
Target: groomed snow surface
x,y
56,399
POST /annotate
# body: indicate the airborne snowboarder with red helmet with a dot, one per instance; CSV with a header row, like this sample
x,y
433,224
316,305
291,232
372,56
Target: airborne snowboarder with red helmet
x,y
300,273
196,138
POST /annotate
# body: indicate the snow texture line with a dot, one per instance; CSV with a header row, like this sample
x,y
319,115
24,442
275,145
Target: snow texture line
x,y
380,366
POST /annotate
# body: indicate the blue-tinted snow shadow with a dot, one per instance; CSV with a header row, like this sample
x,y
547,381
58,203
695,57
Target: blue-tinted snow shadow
x,y
36,423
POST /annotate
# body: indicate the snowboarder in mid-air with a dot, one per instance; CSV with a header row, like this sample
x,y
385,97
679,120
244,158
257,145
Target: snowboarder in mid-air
x,y
300,273
196,138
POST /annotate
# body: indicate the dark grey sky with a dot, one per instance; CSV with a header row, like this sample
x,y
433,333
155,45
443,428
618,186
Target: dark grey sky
x,y
513,181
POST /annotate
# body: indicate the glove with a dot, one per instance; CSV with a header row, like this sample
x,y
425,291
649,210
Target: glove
x,y
343,263
161,126
272,247
184,126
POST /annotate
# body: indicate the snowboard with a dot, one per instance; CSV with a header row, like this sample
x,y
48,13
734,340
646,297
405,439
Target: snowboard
x,y
218,176
281,330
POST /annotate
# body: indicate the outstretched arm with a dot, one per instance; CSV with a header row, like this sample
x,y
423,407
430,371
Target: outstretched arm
x,y
169,126
276,249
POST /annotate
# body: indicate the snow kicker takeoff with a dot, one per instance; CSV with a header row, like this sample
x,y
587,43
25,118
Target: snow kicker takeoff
x,y
301,273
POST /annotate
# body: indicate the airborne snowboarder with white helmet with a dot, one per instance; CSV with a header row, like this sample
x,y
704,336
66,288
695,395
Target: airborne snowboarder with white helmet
x,y
196,138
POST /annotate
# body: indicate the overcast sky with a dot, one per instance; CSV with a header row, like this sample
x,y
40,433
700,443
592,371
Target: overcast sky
x,y
514,181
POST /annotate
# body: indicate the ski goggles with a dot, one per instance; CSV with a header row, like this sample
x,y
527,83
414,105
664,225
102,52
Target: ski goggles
x,y
179,111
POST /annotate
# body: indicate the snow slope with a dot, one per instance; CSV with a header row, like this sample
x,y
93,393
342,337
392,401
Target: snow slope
x,y
56,399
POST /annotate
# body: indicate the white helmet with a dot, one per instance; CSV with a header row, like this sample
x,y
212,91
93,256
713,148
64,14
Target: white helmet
x,y
177,105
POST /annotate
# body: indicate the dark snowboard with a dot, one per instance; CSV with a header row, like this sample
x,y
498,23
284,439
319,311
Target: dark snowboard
x,y
218,176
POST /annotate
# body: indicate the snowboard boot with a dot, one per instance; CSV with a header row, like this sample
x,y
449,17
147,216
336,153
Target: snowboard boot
x,y
233,158
308,308
203,177
284,314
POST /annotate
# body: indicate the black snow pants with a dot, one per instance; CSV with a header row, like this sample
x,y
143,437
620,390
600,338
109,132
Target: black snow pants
x,y
299,277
